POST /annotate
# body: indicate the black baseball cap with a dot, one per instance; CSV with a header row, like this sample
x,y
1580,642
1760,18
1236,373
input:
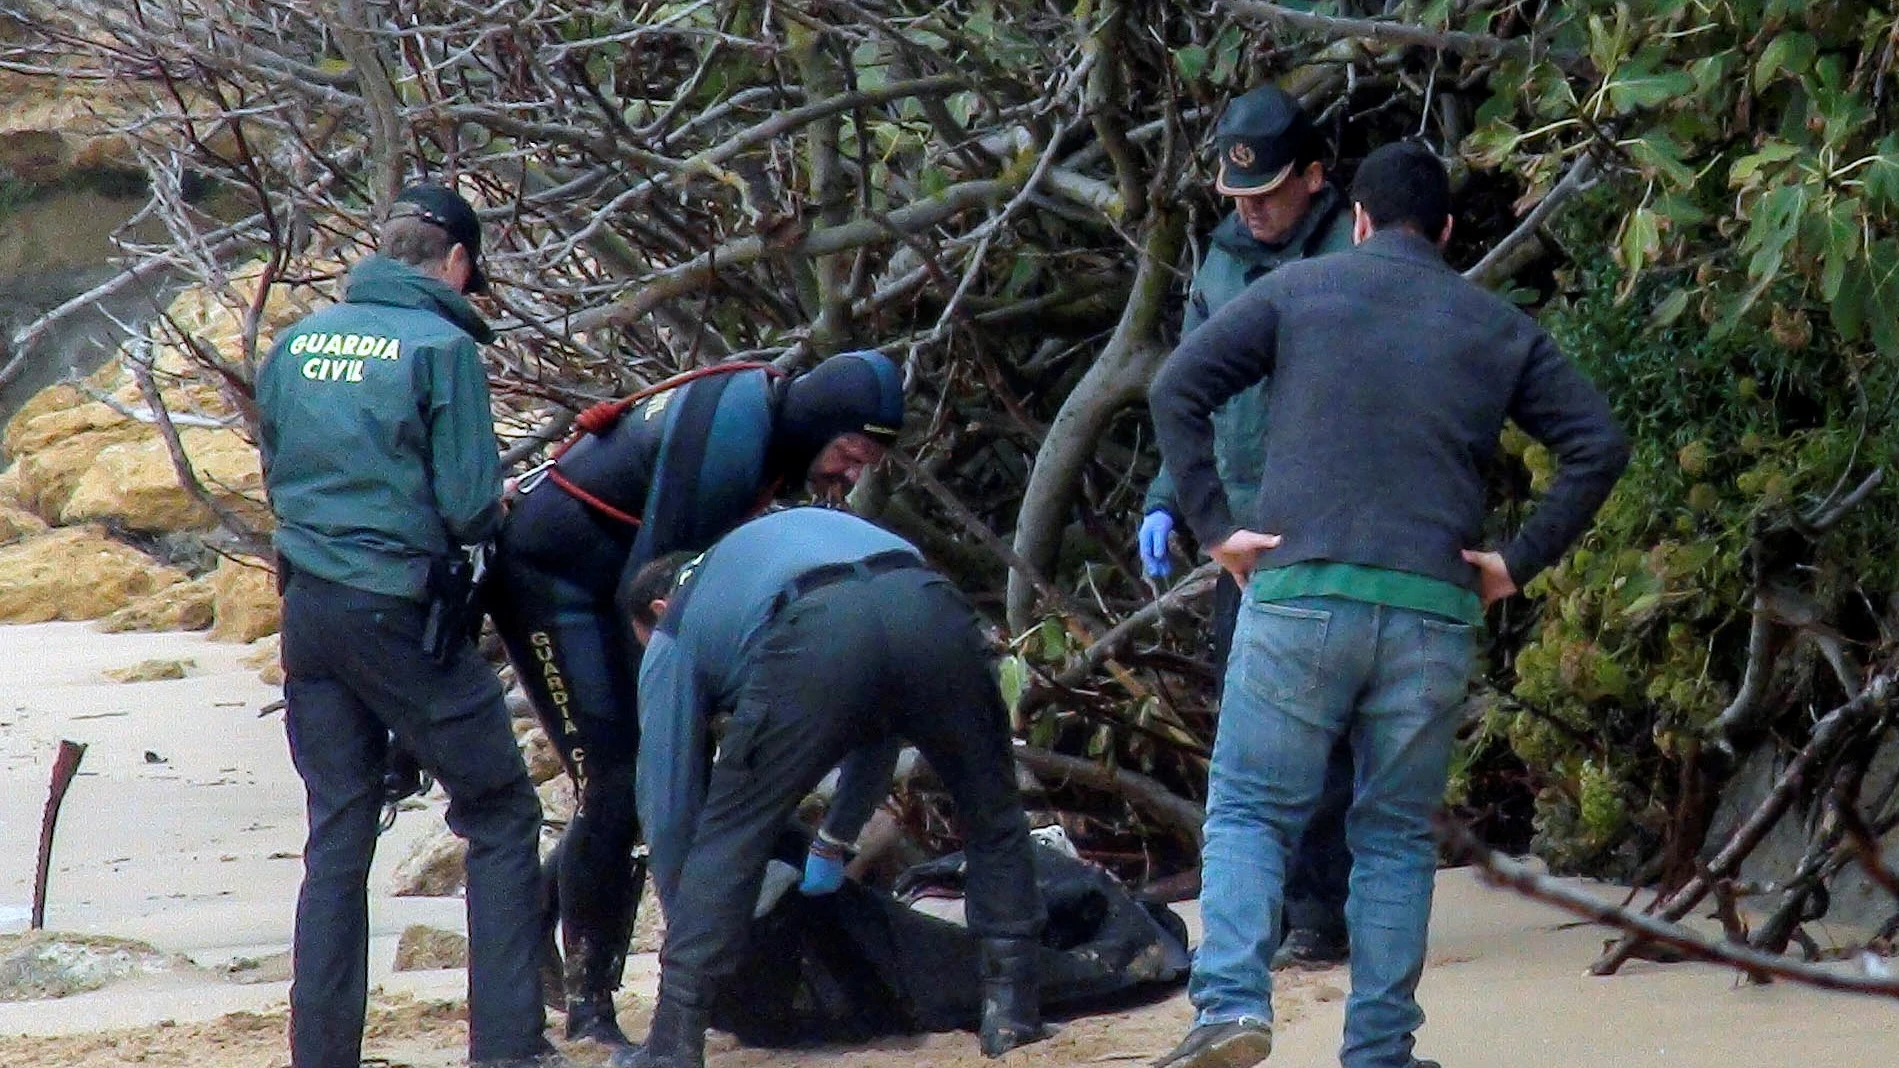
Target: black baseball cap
x,y
445,208
1260,138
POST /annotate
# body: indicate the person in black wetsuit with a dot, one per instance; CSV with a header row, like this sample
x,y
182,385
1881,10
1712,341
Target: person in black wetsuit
x,y
672,472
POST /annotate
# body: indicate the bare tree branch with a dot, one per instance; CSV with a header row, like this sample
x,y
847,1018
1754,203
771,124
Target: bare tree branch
x,y
1332,27
1828,735
138,360
1647,929
1499,263
1172,811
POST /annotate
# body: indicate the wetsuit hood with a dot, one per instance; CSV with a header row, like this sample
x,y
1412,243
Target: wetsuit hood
x,y
850,393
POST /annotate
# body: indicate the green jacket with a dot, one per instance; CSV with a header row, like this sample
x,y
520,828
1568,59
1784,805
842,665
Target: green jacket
x,y
377,439
1236,260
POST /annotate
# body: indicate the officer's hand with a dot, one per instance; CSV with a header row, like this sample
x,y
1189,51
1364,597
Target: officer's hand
x,y
823,870
1240,551
1153,543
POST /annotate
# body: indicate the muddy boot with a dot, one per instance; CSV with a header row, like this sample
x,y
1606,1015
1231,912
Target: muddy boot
x,y
1011,996
596,957
677,1039
590,1016
552,972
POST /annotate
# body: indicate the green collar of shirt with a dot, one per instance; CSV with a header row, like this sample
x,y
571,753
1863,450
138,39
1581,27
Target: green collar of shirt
x,y
1370,585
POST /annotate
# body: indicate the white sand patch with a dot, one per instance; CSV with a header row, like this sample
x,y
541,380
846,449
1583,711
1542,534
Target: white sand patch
x,y
197,855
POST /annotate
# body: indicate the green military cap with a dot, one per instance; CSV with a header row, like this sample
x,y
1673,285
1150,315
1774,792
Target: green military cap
x,y
1260,137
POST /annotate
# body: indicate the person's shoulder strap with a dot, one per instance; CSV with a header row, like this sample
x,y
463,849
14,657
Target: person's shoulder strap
x,y
671,510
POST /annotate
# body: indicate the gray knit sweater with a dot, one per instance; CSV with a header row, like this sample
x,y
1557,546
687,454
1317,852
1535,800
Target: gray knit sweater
x,y
1391,378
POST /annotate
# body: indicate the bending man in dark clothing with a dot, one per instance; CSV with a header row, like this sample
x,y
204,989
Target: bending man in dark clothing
x,y
671,473
820,634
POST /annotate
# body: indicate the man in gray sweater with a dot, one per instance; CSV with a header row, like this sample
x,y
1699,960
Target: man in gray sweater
x,y
1390,379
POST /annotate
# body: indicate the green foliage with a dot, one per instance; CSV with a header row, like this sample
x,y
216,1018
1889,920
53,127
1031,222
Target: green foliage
x,y
1642,638
1754,127
1743,316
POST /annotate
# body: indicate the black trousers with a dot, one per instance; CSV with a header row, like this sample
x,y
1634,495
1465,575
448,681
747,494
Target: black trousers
x,y
356,672
1321,871
579,664
842,666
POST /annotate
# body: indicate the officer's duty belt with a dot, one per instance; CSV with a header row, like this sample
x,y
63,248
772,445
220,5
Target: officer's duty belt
x,y
830,574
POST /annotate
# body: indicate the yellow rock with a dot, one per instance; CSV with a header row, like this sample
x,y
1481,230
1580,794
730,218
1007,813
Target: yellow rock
x,y
437,866
217,317
17,523
58,447
543,760
47,401
52,426
10,485
246,606
267,660
75,573
136,483
49,132
424,948
152,671
185,606
559,802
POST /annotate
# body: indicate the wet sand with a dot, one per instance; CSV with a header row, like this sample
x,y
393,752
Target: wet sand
x,y
193,849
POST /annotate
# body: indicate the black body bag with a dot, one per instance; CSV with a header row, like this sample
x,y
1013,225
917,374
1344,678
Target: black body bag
x,y
859,963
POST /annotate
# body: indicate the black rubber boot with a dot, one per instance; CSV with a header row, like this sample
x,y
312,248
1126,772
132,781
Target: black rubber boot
x,y
677,1039
1011,996
595,960
591,1017
553,973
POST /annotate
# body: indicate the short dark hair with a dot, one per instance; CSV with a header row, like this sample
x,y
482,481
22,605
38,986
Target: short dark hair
x,y
414,240
654,581
1405,185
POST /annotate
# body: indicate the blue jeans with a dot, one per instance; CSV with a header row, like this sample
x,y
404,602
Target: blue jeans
x,y
1303,674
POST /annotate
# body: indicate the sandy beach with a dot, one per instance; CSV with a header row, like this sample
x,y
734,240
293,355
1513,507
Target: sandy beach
x,y
183,830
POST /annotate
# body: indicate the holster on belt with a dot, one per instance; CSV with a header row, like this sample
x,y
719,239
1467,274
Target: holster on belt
x,y
454,611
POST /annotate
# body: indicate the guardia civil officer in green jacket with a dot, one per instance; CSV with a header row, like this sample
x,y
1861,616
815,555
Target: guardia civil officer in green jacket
x,y
380,460
1284,209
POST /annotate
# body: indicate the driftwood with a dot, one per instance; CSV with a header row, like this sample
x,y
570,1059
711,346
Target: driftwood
x,y
1829,735
1176,813
1645,929
65,766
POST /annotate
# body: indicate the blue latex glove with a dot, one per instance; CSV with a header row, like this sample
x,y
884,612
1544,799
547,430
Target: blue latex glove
x,y
1153,543
823,873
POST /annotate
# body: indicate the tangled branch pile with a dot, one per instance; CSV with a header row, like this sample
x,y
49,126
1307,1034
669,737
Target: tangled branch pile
x,y
1009,195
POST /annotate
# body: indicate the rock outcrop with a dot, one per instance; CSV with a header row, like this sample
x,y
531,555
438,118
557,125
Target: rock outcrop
x,y
266,658
80,128
136,483
17,523
543,761
183,606
152,671
436,867
245,606
75,573
422,948
54,449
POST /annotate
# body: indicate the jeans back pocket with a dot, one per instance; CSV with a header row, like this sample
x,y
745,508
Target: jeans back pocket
x,y
1279,651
